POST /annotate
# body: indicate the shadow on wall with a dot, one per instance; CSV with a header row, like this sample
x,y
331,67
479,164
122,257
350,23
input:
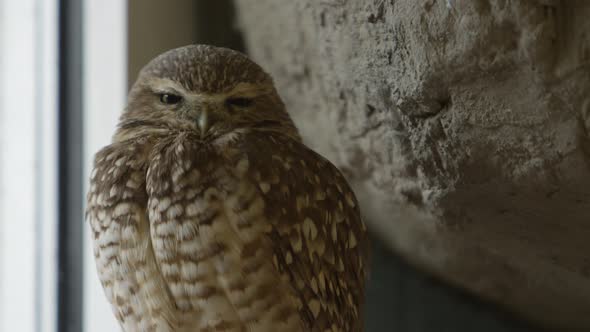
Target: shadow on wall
x,y
401,298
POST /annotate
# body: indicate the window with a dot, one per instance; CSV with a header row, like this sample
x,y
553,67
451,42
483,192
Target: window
x,y
28,165
41,43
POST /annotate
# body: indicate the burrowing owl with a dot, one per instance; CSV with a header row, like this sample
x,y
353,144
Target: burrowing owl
x,y
208,213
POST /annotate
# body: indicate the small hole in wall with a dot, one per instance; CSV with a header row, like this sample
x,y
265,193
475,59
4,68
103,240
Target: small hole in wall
x,y
445,103
370,110
413,196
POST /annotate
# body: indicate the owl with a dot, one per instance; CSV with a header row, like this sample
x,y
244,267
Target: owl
x,y
208,213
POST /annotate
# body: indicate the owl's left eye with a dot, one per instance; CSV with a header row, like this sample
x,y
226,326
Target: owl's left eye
x,y
239,101
170,99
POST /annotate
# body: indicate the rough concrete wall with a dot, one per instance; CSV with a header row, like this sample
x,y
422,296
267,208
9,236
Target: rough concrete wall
x,y
463,126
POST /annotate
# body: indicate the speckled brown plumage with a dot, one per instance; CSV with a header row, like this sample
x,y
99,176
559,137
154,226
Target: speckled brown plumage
x,y
230,226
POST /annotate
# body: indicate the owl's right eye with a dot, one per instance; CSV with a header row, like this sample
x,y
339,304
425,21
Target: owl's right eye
x,y
170,99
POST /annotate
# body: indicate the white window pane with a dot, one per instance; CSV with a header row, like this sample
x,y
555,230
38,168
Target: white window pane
x,y
105,85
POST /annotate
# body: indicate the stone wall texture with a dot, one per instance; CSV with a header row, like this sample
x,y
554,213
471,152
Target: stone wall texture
x,y
463,126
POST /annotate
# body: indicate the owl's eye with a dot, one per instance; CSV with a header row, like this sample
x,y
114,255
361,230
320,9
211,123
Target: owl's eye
x,y
170,99
239,101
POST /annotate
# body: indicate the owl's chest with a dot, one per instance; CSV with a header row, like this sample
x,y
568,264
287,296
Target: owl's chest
x,y
198,185
208,227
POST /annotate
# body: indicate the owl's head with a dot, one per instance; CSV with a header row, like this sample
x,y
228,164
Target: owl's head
x,y
208,90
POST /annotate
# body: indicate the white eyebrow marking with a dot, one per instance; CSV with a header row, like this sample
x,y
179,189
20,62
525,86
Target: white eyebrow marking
x,y
247,90
164,85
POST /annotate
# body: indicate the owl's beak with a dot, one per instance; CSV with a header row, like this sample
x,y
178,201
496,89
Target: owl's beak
x,y
203,122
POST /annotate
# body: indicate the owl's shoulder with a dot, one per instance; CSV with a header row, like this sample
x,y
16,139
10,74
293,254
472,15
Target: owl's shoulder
x,y
117,173
279,153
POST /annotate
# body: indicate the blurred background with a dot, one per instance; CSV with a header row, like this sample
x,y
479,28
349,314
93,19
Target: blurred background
x,y
65,67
